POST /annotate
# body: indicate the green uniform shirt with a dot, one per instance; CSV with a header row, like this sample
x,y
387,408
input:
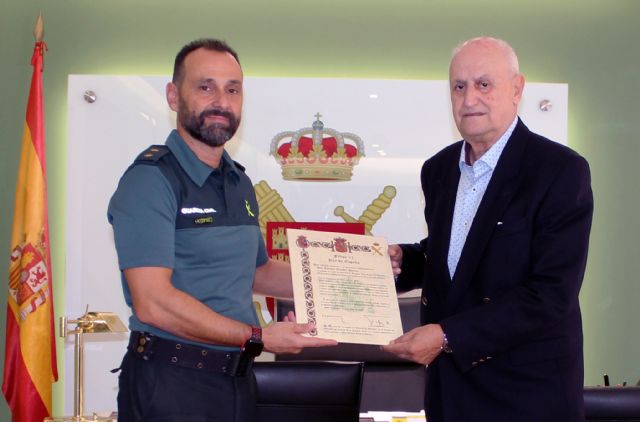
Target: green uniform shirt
x,y
211,240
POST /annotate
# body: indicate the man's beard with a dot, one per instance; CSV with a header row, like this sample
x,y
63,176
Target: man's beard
x,y
215,134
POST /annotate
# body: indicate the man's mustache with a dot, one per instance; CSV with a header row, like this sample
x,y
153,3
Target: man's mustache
x,y
217,112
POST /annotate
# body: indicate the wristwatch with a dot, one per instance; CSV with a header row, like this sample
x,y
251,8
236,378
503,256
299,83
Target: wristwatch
x,y
445,344
254,345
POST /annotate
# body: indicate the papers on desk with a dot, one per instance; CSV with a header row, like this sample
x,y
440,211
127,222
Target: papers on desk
x,y
392,416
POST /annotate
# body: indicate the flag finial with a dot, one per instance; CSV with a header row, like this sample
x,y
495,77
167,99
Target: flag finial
x,y
38,30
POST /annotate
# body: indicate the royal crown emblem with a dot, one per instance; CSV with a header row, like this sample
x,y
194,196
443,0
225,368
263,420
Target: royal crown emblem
x,y
317,153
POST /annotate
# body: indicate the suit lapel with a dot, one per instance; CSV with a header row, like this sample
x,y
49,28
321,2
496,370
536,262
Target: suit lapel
x,y
504,184
441,200
450,187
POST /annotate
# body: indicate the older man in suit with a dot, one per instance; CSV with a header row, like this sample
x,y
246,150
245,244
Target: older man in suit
x,y
509,215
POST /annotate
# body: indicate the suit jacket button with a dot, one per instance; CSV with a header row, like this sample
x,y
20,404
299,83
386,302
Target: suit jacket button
x,y
486,300
424,301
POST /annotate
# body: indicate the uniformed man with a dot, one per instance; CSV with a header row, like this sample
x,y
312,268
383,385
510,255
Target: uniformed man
x,y
185,222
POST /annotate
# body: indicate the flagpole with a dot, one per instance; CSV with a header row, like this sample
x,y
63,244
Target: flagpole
x,y
30,354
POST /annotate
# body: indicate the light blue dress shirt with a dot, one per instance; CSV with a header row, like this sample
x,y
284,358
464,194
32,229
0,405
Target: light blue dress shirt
x,y
471,188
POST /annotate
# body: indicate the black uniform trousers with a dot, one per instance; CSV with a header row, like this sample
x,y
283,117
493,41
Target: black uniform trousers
x,y
154,391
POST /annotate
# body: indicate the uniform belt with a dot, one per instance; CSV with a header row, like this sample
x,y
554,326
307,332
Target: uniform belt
x,y
153,348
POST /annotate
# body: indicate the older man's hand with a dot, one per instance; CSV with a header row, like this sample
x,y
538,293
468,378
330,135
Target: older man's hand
x,y
395,254
422,344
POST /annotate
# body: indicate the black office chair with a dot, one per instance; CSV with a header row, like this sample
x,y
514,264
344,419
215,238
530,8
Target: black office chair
x,y
612,404
308,391
383,372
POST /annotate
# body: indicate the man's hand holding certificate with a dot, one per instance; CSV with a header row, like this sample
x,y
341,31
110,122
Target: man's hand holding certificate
x,y
344,284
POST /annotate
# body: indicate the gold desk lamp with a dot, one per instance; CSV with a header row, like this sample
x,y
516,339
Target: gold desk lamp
x,y
89,323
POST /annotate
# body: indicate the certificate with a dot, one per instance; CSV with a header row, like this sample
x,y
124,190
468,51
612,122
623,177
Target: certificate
x,y
344,284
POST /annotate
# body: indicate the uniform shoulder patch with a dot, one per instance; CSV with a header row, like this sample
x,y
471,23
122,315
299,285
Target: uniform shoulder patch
x,y
152,154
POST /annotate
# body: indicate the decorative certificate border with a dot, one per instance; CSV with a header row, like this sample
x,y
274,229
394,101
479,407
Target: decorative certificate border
x,y
308,290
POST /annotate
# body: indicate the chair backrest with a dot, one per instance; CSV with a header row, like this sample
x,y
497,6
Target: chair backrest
x,y
308,391
612,404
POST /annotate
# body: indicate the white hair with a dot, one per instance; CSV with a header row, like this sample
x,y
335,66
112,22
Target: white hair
x,y
509,52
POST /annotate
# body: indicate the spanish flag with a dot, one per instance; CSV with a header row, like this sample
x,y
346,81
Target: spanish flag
x,y
30,355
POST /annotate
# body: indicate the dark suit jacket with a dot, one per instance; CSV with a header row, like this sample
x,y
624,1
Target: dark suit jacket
x,y
511,312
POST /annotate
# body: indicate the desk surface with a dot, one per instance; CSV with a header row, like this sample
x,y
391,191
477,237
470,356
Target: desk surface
x,y
393,416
